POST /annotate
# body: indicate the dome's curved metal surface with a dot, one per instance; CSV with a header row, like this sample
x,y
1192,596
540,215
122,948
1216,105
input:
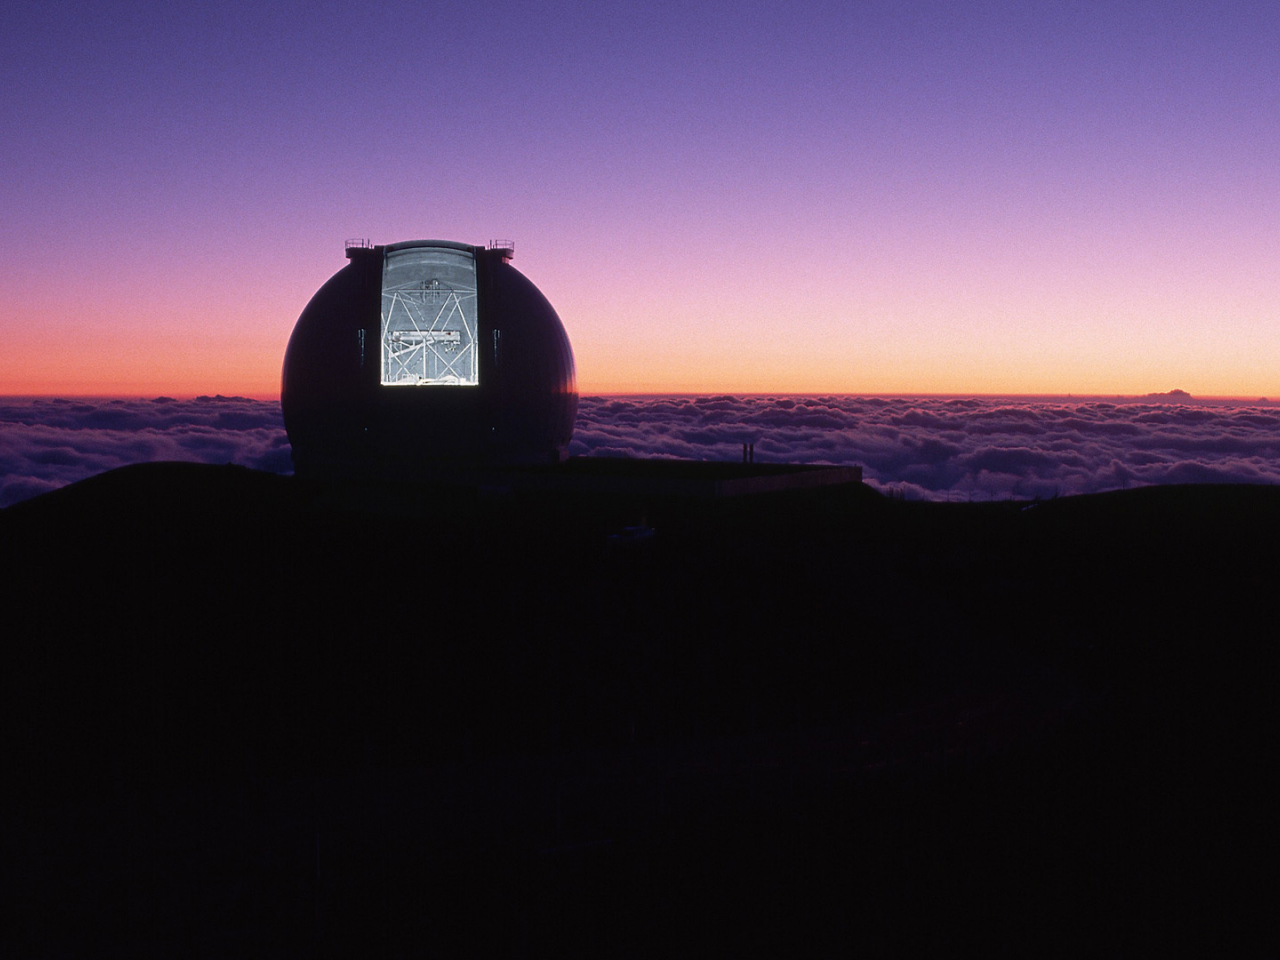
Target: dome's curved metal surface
x,y
424,353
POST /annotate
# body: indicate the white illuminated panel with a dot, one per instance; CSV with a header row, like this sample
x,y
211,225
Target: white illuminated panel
x,y
429,318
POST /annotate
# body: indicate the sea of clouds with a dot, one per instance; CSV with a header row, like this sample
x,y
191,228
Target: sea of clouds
x,y
928,448
45,444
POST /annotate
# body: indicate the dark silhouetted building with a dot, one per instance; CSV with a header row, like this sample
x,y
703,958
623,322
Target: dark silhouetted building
x,y
424,354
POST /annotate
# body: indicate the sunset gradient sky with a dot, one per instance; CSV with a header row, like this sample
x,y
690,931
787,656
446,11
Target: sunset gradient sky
x,y
980,198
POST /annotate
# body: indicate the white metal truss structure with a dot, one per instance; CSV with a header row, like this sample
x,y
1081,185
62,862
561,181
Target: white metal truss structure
x,y
428,334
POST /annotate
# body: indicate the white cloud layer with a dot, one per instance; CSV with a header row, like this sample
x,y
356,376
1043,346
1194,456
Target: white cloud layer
x,y
935,448
47,443
929,448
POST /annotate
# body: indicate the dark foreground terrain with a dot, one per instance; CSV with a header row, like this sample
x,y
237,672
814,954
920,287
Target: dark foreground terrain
x,y
242,718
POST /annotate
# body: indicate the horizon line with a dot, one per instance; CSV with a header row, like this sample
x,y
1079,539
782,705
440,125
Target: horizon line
x,y
1175,395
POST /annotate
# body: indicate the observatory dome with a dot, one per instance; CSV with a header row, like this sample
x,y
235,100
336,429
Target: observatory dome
x,y
427,353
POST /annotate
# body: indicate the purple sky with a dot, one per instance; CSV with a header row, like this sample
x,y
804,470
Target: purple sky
x,y
844,197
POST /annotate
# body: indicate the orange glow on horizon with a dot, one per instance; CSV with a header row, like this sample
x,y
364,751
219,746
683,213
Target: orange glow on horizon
x,y
837,341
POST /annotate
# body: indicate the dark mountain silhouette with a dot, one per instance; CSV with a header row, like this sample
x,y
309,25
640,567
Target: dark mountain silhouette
x,y
249,716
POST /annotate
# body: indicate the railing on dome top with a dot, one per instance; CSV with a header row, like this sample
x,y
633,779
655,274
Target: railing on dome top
x,y
509,245
359,243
